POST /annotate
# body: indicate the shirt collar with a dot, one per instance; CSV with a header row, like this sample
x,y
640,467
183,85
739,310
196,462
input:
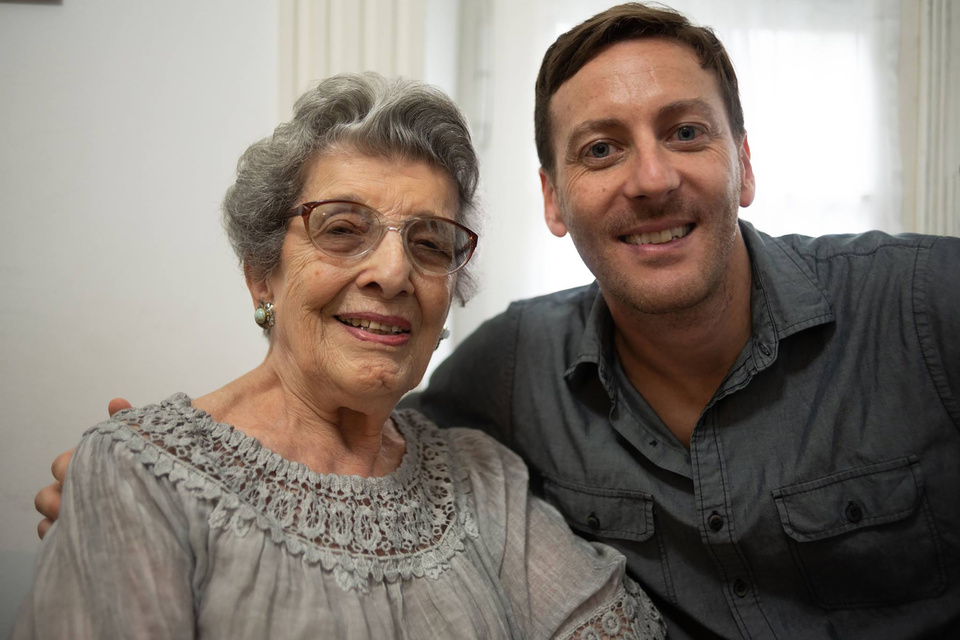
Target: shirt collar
x,y
596,344
786,298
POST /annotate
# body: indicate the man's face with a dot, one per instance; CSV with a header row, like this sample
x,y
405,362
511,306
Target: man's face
x,y
648,177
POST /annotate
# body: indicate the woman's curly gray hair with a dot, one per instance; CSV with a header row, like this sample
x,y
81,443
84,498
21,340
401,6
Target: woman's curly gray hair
x,y
394,117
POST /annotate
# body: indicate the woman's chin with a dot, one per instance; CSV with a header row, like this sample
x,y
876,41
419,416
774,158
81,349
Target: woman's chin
x,y
376,379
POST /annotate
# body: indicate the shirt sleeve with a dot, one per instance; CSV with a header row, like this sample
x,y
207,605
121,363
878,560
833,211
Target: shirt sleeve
x,y
474,386
558,585
938,319
112,565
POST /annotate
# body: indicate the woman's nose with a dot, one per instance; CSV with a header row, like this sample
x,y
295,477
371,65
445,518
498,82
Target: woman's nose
x,y
388,266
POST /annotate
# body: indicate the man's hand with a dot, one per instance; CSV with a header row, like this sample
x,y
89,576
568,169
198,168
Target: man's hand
x,y
47,501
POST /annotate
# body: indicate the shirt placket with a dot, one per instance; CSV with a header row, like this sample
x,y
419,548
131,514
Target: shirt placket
x,y
714,496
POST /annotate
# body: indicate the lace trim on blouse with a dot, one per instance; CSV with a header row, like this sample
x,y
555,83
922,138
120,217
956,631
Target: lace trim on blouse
x,y
407,524
629,616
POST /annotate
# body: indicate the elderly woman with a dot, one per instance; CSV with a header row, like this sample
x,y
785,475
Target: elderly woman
x,y
296,501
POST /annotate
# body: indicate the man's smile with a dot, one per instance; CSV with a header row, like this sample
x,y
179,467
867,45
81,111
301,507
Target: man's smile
x,y
658,237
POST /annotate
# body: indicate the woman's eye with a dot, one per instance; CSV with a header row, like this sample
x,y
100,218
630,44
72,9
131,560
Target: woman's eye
x,y
341,230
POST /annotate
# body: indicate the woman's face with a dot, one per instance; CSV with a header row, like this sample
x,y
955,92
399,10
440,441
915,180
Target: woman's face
x,y
319,300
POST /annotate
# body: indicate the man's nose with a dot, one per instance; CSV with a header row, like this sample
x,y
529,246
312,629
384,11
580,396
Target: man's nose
x,y
652,172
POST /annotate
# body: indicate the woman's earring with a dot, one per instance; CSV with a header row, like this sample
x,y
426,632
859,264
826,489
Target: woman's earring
x,y
443,336
264,314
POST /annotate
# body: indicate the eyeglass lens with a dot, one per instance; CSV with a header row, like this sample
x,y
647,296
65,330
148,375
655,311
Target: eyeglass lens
x,y
346,229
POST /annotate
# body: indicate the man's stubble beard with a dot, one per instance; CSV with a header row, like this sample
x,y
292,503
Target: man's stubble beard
x,y
709,280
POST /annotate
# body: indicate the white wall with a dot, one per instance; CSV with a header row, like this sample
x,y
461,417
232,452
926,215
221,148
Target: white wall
x,y
120,126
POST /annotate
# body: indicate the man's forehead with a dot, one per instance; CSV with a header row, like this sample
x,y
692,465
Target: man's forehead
x,y
632,75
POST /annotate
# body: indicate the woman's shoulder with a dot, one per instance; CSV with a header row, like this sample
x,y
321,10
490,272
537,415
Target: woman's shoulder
x,y
168,415
169,440
171,426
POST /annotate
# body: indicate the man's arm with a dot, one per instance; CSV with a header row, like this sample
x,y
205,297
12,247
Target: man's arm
x,y
938,320
47,502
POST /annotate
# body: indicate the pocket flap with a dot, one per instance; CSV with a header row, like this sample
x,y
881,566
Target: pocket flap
x,y
842,502
611,513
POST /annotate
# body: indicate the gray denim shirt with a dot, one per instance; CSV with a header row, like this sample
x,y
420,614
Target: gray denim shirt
x,y
820,496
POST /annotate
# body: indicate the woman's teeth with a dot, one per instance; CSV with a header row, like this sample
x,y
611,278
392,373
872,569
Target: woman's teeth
x,y
372,326
659,237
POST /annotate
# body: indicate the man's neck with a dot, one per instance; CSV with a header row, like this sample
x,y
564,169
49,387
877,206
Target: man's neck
x,y
678,360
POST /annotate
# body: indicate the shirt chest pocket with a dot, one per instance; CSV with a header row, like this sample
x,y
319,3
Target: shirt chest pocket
x,y
864,537
603,513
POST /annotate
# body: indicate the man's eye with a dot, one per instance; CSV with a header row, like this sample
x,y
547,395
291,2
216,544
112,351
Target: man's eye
x,y
687,133
599,150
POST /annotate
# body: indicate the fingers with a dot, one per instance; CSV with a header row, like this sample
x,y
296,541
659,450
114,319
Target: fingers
x,y
117,404
59,467
47,502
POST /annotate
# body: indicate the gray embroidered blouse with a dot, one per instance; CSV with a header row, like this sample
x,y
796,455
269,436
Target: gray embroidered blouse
x,y
175,526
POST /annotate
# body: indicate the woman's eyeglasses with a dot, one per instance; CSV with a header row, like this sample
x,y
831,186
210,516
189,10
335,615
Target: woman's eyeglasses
x,y
341,228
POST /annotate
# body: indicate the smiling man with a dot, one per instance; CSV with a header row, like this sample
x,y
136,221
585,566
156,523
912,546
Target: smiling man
x,y
768,428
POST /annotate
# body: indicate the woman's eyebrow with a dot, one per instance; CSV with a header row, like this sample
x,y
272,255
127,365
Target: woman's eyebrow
x,y
348,197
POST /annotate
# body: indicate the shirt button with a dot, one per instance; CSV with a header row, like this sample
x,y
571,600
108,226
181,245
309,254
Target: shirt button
x,y
740,588
593,521
715,521
764,349
853,512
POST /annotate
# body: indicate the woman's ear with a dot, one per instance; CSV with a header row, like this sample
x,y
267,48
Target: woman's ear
x,y
259,287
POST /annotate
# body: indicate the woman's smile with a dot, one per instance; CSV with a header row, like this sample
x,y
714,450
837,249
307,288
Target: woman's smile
x,y
371,327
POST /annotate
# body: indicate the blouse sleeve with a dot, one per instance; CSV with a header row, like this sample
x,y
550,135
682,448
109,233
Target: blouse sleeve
x,y
117,562
558,584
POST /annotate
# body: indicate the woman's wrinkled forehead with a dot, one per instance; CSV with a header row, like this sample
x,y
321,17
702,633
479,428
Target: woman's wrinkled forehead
x,y
393,185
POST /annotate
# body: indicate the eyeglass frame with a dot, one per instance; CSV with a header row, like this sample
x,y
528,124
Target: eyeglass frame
x,y
306,209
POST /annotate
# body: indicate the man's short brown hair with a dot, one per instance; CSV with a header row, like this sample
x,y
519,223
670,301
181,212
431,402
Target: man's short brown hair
x,y
631,21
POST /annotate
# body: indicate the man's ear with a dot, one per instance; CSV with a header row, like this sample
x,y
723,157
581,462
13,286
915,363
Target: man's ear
x,y
259,288
748,184
551,205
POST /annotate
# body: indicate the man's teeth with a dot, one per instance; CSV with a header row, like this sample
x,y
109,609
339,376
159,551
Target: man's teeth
x,y
659,237
372,326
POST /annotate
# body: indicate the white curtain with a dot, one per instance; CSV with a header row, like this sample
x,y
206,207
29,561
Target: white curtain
x,y
932,187
820,94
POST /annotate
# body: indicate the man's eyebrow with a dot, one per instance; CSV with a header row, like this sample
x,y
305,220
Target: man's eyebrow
x,y
686,106
673,109
589,126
